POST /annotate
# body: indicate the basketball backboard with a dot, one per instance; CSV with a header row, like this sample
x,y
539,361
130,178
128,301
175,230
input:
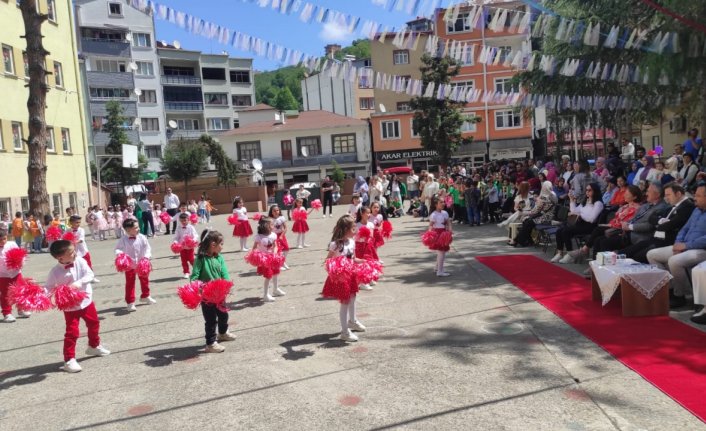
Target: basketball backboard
x,y
129,156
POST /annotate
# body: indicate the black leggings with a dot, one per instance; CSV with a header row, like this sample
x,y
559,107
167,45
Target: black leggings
x,y
147,219
214,318
172,212
328,199
565,235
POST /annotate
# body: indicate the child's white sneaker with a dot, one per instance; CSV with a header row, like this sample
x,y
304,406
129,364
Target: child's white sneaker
x,y
149,300
228,336
356,326
442,274
215,348
187,275
268,298
285,266
24,314
365,287
347,335
131,307
95,280
557,257
97,351
9,318
71,366
279,292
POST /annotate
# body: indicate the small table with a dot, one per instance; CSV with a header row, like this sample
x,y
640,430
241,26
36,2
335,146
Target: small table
x,y
641,286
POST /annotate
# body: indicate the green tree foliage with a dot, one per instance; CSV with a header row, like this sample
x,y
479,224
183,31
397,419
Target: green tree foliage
x,y
269,84
184,160
359,48
226,168
337,174
285,100
115,128
438,122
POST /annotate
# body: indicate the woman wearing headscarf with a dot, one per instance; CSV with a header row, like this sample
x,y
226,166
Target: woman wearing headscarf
x,y
644,171
361,189
542,213
550,171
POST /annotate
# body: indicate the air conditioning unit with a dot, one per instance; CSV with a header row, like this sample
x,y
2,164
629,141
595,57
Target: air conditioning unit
x,y
677,124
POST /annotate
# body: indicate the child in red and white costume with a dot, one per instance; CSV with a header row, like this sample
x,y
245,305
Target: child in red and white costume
x,y
118,221
80,242
186,229
439,223
136,246
242,227
377,218
266,243
346,289
279,223
7,277
364,242
301,227
74,271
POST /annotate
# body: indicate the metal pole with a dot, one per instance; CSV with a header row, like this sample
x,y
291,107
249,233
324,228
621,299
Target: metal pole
x,y
576,141
99,168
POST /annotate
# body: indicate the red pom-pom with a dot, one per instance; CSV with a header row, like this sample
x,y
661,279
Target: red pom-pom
x,y
257,216
144,267
53,233
364,232
444,239
339,268
15,258
299,215
190,294
165,217
216,291
193,218
386,229
429,238
189,242
255,257
368,271
232,219
70,236
68,297
29,296
176,247
123,262
316,204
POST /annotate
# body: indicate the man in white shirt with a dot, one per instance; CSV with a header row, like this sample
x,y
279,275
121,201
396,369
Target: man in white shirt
x,y
412,186
430,189
628,153
171,204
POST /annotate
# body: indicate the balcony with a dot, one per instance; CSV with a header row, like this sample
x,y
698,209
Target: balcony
x,y
175,135
110,80
180,80
183,106
105,47
101,139
323,160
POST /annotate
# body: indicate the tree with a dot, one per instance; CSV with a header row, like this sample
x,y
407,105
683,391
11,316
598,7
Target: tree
x,y
226,168
359,48
439,121
285,100
337,174
36,107
184,160
113,170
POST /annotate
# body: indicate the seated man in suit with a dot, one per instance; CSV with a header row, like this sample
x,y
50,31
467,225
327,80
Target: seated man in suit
x,y
688,251
666,227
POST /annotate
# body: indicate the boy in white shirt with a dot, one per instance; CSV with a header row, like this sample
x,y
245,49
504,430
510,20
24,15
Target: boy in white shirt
x,y
187,254
80,243
135,245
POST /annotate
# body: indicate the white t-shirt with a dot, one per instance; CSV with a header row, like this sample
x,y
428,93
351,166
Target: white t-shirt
x,y
279,224
412,183
241,212
266,243
348,248
79,272
353,209
439,218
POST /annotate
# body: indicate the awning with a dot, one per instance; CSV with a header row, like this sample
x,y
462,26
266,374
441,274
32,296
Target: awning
x,y
472,149
510,149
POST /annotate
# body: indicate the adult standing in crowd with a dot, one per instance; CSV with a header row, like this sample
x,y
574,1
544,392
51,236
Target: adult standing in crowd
x,y
147,218
327,190
171,204
361,189
431,188
693,145
303,194
412,185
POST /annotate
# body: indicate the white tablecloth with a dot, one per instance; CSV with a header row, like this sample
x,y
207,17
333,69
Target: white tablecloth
x,y
646,279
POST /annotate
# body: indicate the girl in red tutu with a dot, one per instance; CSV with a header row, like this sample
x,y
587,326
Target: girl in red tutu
x,y
301,227
242,227
266,245
342,284
279,222
364,241
377,218
9,274
438,237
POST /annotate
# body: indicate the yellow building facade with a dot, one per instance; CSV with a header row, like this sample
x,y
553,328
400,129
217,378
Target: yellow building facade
x,y
67,174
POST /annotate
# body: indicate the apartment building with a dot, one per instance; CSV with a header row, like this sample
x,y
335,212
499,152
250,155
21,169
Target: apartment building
x,y
339,95
67,173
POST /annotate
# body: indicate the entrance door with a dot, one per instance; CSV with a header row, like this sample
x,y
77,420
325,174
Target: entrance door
x,y
287,150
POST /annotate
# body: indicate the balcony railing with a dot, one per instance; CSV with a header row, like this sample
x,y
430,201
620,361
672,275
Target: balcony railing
x,y
184,134
106,47
323,160
183,106
181,80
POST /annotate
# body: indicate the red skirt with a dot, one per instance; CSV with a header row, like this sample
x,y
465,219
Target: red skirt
x,y
366,250
300,226
377,238
282,244
341,291
268,271
434,240
242,229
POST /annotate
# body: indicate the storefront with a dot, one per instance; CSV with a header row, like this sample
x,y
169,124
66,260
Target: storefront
x,y
418,159
511,149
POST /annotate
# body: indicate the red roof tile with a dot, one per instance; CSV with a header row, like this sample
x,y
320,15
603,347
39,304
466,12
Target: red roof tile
x,y
307,120
259,107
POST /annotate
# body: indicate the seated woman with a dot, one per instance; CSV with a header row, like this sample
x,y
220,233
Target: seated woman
x,y
542,213
522,205
561,192
587,214
633,198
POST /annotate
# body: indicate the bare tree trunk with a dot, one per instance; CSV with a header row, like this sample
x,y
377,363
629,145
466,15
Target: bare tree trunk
x,y
186,191
36,105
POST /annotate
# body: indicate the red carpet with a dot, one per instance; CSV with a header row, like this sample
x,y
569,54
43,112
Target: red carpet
x,y
666,352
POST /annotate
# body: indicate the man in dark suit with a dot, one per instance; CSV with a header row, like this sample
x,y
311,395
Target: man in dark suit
x,y
667,227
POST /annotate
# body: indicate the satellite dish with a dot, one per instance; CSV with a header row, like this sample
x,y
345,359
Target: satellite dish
x,y
136,121
305,152
257,164
382,108
163,42
133,65
128,37
176,44
256,177
173,124
138,91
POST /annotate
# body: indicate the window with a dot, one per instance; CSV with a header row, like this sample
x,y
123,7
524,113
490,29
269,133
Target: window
x,y
24,202
343,143
240,76
56,202
51,10
504,52
249,150
188,124
65,140
400,56
505,85
51,139
25,60
367,103
220,99
142,40
507,119
462,23
242,100
144,68
413,126
153,151
390,129
215,73
109,93
312,145
150,124
111,66
468,125
115,9
8,59
178,71
148,96
403,106
17,143
463,54
364,82
218,123
58,74
4,206
73,201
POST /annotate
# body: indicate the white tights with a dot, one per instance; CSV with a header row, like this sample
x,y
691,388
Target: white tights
x,y
243,242
347,313
267,285
440,256
300,239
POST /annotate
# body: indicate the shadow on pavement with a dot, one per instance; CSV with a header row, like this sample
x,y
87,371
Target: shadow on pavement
x,y
252,302
27,376
322,340
166,357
